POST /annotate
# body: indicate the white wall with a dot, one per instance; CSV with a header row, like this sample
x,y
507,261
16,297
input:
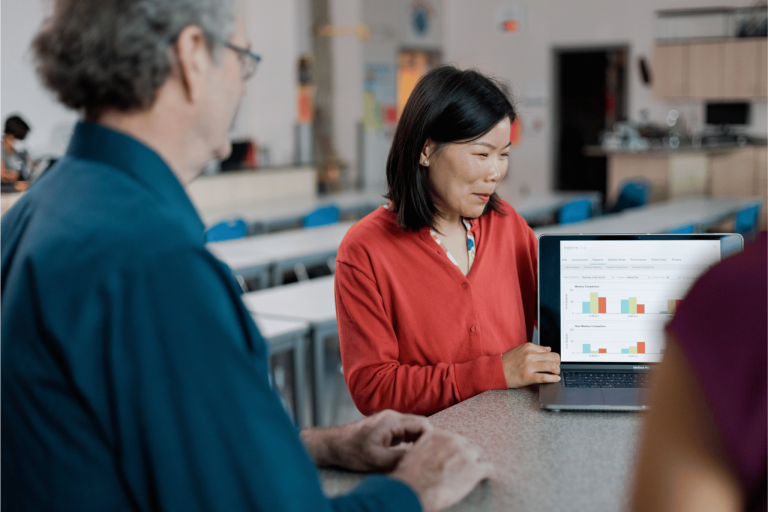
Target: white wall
x,y
21,90
266,114
525,60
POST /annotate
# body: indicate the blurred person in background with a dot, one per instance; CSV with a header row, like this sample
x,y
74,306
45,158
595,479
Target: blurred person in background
x,y
133,377
436,292
14,167
705,441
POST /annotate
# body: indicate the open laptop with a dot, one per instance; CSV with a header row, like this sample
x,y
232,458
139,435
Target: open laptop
x,y
604,301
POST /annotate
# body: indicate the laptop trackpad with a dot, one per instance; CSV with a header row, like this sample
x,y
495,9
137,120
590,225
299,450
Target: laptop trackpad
x,y
624,396
581,396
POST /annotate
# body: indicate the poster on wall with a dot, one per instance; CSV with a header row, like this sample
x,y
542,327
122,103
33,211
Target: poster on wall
x,y
420,25
379,96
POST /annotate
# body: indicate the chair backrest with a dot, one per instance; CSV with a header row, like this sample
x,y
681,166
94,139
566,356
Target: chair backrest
x,y
575,211
226,230
682,230
322,216
635,192
746,220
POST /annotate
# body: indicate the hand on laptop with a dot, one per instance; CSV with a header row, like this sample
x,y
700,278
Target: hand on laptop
x,y
530,364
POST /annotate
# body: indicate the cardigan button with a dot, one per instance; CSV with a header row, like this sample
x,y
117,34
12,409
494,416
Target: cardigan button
x,y
464,285
473,328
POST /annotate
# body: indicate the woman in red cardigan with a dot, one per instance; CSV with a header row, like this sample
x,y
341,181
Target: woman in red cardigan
x,y
436,292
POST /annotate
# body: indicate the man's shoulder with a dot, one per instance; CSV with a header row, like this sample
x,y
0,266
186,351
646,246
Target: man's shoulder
x,y
83,219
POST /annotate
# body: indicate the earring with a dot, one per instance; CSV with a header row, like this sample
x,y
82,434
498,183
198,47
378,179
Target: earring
x,y
426,162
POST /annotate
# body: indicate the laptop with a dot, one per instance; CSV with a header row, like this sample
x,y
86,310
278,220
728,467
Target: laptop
x,y
604,301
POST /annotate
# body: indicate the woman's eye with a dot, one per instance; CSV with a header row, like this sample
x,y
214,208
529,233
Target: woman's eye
x,y
505,155
484,155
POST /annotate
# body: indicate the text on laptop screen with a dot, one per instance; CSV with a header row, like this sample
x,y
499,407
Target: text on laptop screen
x,y
616,296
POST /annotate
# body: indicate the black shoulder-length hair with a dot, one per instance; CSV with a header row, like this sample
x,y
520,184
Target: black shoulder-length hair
x,y
447,105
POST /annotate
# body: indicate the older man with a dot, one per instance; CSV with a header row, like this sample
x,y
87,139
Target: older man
x,y
133,378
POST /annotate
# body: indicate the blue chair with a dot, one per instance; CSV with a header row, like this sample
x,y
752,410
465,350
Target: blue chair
x,y
575,211
682,230
322,216
227,230
633,193
746,221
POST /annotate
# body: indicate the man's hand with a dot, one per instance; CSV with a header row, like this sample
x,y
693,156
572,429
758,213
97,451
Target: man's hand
x,y
442,468
530,364
371,444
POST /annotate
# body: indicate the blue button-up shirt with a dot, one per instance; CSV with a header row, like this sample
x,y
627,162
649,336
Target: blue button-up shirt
x,y
133,378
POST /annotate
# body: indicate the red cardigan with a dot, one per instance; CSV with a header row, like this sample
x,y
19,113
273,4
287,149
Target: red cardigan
x,y
416,334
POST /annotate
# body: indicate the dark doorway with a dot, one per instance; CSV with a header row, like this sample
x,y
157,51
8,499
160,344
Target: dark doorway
x,y
591,96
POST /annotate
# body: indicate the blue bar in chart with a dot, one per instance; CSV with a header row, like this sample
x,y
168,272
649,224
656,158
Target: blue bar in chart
x,y
585,307
625,306
586,348
625,351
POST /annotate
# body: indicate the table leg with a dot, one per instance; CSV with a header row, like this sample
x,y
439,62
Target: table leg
x,y
319,377
300,383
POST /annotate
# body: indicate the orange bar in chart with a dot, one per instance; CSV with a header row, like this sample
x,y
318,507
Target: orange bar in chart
x,y
602,351
641,347
601,305
641,308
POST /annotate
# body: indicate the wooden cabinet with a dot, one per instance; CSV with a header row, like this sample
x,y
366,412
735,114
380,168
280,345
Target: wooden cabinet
x,y
653,167
741,68
762,68
727,69
705,70
670,71
733,173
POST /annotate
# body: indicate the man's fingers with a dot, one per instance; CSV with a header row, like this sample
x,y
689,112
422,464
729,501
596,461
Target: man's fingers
x,y
406,428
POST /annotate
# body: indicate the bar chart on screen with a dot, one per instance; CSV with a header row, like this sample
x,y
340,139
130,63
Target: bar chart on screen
x,y
617,297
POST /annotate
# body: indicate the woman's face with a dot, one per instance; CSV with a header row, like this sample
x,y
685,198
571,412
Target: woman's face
x,y
464,175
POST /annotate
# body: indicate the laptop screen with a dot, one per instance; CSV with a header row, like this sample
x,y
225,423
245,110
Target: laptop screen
x,y
616,296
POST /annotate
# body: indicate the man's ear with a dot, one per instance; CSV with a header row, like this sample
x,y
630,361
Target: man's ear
x,y
194,61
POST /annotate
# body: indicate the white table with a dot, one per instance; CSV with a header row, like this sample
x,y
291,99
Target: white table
x,y
275,215
702,212
540,208
274,253
281,335
308,301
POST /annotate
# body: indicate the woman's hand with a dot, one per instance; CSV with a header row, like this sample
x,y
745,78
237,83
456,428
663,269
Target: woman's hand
x,y
530,364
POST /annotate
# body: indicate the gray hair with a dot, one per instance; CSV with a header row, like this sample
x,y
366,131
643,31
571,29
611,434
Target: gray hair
x,y
98,55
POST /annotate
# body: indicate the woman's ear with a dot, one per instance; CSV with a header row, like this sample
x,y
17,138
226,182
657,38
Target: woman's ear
x,y
426,152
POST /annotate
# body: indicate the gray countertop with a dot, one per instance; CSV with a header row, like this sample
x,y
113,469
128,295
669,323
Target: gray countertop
x,y
558,461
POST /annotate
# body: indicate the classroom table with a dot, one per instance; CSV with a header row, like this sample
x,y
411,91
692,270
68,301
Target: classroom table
x,y
546,460
702,212
276,215
289,335
542,208
274,253
272,216
308,301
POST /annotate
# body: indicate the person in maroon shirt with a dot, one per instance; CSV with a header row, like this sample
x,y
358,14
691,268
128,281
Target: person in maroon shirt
x,y
706,435
436,293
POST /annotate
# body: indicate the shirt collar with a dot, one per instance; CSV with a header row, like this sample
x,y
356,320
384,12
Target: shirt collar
x,y
95,142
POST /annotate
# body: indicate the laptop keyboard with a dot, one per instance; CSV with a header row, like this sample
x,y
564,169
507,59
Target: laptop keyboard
x,y
606,380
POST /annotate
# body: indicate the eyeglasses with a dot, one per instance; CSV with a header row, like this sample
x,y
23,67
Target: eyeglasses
x,y
249,61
